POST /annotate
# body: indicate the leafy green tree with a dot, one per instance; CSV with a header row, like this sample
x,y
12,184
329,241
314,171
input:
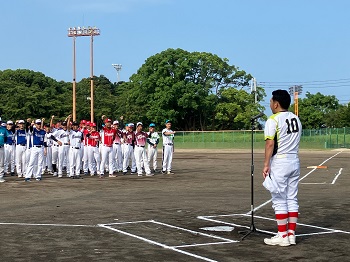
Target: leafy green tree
x,y
317,110
183,86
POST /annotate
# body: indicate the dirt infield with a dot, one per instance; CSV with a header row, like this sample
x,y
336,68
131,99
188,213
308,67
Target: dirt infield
x,y
161,218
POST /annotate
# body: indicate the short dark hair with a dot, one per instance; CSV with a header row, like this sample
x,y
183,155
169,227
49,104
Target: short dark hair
x,y
282,97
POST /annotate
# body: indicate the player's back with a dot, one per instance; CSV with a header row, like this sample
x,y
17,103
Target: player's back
x,y
286,128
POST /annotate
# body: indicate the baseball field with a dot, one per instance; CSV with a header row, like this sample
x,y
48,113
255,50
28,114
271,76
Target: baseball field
x,y
195,215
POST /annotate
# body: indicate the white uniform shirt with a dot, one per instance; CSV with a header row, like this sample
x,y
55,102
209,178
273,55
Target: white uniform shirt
x,y
75,138
48,140
152,137
62,136
167,139
285,128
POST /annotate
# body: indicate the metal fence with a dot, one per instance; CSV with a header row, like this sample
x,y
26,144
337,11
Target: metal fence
x,y
311,138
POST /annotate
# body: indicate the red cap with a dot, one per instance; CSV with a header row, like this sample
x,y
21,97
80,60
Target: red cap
x,y
88,123
108,120
83,121
92,124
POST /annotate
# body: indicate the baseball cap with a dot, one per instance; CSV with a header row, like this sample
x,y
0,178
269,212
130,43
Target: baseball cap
x,y
152,125
83,121
38,121
88,123
115,122
139,123
9,122
92,124
21,121
64,123
47,125
167,121
131,124
108,120
75,123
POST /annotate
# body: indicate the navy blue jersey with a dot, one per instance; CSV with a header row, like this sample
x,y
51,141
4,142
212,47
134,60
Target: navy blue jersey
x,y
21,137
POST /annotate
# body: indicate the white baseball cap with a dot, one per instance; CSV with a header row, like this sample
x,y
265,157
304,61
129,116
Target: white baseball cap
x,y
139,123
115,122
9,122
21,121
38,121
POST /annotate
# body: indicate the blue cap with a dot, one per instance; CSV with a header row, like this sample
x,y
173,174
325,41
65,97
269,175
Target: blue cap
x,y
167,121
152,125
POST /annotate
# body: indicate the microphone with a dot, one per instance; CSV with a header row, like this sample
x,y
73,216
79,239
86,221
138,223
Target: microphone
x,y
257,116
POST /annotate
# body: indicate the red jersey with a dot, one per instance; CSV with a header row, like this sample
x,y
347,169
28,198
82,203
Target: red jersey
x,y
129,137
93,139
107,136
85,132
141,138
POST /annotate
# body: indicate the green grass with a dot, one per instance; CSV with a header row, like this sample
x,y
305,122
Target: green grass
x,y
311,139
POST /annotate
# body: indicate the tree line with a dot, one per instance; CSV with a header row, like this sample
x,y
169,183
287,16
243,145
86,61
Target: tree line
x,y
196,90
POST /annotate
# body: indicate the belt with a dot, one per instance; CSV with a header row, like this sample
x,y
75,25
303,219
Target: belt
x,y
66,144
38,145
117,143
169,144
9,144
75,147
128,144
107,145
21,144
56,145
291,156
92,146
140,146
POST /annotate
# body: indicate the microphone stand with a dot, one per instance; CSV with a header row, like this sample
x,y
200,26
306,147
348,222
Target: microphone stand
x,y
252,227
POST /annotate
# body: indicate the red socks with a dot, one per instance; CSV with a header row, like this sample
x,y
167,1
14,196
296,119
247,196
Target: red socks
x,y
292,222
282,220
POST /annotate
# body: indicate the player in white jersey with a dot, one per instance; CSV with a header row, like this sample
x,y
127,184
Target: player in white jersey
x,y
140,152
62,135
75,140
152,151
281,166
168,148
117,147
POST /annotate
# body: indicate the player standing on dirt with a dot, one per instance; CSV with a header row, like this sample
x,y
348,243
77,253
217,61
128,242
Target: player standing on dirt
x,y
281,166
168,148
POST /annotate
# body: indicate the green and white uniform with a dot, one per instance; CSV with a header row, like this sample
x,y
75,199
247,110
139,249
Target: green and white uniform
x,y
285,129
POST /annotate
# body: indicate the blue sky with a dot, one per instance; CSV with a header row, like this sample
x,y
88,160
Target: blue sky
x,y
295,42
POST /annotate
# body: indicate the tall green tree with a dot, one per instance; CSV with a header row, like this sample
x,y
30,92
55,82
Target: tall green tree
x,y
317,110
185,87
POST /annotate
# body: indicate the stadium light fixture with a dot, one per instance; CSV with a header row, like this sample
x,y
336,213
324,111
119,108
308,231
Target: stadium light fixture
x,y
117,67
76,32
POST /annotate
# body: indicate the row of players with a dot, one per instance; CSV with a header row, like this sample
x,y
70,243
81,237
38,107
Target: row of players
x,y
28,147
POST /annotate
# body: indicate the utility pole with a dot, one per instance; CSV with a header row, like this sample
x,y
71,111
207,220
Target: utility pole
x,y
253,90
295,91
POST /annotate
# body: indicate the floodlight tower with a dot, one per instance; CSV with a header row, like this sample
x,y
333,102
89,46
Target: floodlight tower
x,y
117,67
82,31
295,91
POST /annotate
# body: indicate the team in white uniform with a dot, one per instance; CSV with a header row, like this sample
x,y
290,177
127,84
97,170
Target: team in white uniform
x,y
281,166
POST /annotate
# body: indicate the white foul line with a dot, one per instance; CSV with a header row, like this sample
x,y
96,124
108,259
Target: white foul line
x,y
157,243
336,177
